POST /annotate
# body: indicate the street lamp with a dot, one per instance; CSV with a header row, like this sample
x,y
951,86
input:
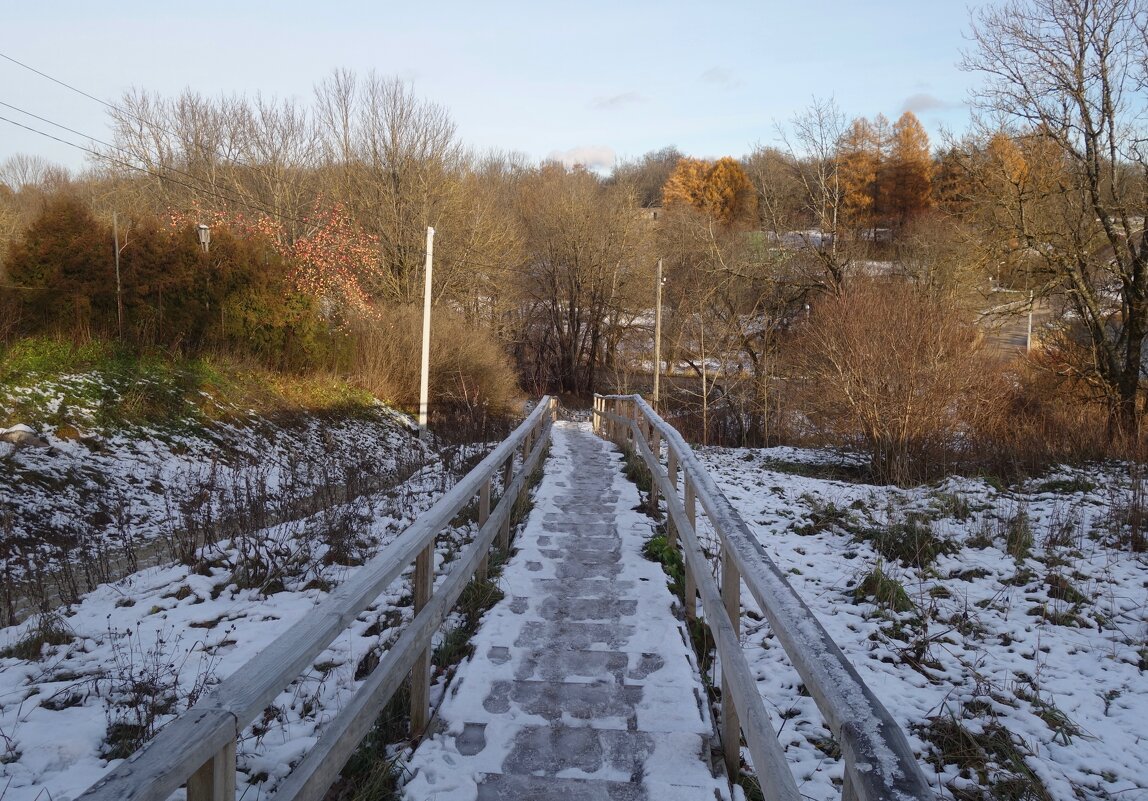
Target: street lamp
x,y
204,233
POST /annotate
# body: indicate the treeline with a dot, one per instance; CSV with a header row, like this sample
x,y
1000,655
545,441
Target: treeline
x,y
832,287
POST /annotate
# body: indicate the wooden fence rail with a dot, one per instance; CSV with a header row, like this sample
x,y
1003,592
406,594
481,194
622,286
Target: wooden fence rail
x,y
198,747
879,764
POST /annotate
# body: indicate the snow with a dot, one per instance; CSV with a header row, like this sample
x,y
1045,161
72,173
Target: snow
x,y
173,632
988,633
986,623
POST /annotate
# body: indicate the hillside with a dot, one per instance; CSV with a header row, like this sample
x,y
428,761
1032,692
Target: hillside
x,y
142,459
1004,627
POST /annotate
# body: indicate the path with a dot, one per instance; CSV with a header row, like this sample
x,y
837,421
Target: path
x,y
582,686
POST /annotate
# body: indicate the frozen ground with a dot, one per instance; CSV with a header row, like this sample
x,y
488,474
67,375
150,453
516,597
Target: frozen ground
x,y
1021,648
1018,654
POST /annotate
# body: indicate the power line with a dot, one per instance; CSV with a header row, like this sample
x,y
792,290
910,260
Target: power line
x,y
146,170
207,188
57,81
147,122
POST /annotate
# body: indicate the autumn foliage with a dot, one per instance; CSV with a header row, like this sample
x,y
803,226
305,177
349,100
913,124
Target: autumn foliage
x,y
886,172
719,189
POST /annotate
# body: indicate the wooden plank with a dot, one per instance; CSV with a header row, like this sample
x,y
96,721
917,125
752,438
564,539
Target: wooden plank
x,y
215,780
731,598
483,516
420,671
691,588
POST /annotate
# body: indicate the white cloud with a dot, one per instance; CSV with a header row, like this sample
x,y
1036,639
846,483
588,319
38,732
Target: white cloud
x,y
618,101
720,77
593,157
923,101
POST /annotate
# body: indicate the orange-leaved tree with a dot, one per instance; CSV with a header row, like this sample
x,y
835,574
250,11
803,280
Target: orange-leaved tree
x,y
720,189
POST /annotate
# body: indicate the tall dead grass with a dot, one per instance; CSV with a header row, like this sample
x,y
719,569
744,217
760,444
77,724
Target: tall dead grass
x,y
469,369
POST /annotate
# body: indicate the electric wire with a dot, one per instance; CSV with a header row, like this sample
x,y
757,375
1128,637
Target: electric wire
x,y
151,124
148,171
206,188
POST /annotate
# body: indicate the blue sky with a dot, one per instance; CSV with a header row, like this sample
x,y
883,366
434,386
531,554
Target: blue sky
x,y
599,80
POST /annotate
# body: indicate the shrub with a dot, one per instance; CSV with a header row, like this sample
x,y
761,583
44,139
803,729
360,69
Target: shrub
x,y
896,371
468,368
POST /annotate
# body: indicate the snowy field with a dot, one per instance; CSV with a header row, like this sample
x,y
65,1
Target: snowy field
x,y
136,652
1014,653
1020,649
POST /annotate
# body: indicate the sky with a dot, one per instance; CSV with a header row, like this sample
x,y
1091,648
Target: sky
x,y
593,82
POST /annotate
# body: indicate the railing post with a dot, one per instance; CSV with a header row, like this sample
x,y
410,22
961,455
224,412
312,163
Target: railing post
x,y
595,422
672,473
483,516
420,673
691,580
656,449
730,727
507,477
215,779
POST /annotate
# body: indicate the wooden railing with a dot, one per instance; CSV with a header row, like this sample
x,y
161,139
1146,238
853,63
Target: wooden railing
x,y
198,747
879,764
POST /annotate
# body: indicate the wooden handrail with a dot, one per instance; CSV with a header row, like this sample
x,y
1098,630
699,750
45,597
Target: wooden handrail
x,y
879,764
198,747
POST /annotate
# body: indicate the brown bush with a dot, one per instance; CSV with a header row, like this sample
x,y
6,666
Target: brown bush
x,y
894,371
1039,416
469,371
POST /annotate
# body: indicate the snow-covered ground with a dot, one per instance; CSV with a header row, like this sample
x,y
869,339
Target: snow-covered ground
x,y
136,652
95,505
1015,666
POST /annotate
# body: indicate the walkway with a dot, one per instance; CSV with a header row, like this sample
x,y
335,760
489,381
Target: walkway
x,y
582,686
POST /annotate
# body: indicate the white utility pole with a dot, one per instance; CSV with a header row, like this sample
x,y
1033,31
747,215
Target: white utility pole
x,y
658,335
119,286
424,380
1028,336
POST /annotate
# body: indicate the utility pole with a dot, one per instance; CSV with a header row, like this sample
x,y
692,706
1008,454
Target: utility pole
x,y
658,334
119,286
424,380
1028,336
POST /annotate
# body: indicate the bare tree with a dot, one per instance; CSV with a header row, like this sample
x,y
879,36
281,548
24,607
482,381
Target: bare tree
x,y
1073,74
587,267
893,370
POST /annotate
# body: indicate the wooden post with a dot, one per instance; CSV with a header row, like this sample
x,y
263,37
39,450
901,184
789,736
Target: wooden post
x,y
672,472
656,449
504,534
691,580
483,516
730,728
215,779
420,673
595,420
848,791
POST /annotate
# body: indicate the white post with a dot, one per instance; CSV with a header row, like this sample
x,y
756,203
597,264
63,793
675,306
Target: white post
x,y
1028,335
658,336
119,286
424,380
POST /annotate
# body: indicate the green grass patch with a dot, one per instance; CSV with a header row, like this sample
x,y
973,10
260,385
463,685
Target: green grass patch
x,y
909,540
1066,486
61,386
885,590
659,549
